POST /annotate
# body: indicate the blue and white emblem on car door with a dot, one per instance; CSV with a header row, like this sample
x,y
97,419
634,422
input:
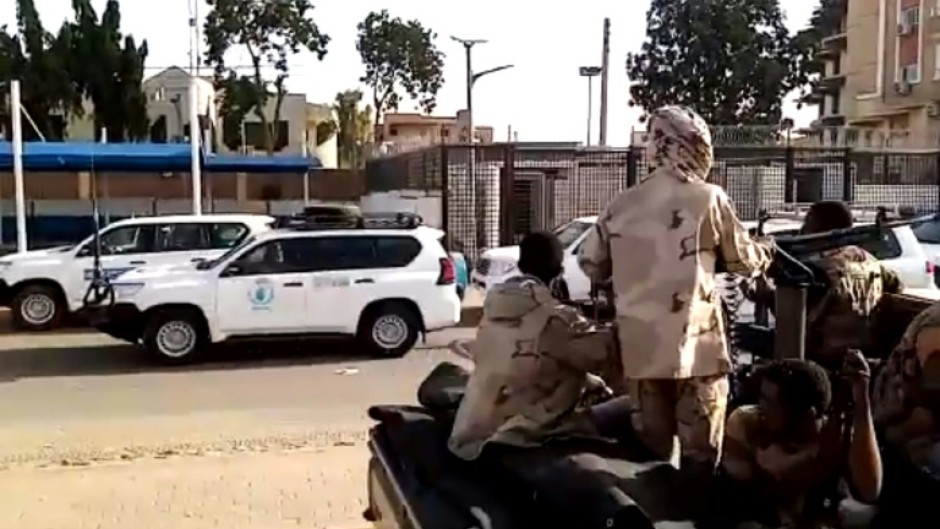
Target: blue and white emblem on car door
x,y
261,294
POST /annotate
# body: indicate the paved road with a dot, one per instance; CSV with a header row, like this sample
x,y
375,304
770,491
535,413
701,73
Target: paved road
x,y
95,436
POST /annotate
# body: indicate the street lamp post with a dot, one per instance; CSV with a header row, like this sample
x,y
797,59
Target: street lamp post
x,y
472,78
590,72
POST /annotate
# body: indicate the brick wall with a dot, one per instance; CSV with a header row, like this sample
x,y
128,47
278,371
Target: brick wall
x,y
326,184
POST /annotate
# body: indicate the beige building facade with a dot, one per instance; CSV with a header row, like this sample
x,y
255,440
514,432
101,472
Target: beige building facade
x,y
411,129
883,69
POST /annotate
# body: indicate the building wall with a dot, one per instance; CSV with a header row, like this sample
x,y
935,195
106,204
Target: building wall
x,y
327,184
418,129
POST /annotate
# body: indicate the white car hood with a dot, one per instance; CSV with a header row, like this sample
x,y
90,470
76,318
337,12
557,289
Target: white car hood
x,y
503,253
37,257
166,274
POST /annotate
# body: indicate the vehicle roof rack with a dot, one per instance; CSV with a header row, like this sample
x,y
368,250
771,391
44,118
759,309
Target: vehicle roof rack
x,y
368,221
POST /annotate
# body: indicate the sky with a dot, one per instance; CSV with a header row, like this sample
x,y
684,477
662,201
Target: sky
x,y
542,98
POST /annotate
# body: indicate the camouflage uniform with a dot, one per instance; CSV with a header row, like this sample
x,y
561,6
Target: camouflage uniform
x,y
660,242
840,320
533,356
898,392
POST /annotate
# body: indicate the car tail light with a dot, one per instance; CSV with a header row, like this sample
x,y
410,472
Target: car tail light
x,y
448,274
929,268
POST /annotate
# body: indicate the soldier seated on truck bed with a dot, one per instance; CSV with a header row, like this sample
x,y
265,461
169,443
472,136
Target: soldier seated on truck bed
x,y
839,317
906,400
798,447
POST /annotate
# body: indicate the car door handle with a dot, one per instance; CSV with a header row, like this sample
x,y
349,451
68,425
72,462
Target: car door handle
x,y
364,280
294,284
138,262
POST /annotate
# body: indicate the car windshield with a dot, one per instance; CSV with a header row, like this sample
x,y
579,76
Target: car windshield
x,y
569,233
927,231
208,265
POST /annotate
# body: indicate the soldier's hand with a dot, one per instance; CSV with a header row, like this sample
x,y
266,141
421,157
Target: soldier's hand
x,y
595,390
855,368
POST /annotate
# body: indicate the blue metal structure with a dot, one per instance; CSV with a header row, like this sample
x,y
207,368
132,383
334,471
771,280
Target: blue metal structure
x,y
142,157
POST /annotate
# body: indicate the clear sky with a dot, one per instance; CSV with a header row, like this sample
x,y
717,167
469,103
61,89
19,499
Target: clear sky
x,y
542,98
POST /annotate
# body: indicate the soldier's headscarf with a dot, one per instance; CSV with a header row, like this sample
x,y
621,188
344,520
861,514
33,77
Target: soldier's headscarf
x,y
680,143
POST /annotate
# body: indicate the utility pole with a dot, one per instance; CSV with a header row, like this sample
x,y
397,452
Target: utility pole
x,y
590,72
605,63
472,78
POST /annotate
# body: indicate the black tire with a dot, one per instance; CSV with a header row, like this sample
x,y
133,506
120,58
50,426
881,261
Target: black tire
x,y
191,330
33,300
399,330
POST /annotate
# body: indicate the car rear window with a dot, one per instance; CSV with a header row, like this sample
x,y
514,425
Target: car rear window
x,y
927,231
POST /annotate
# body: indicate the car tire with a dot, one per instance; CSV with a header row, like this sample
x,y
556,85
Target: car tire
x,y
175,336
38,308
388,330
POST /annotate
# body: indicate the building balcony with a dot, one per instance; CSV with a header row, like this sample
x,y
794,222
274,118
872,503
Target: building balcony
x,y
831,84
832,120
833,45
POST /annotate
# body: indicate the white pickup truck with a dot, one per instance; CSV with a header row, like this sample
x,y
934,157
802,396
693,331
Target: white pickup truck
x,y
899,251
41,287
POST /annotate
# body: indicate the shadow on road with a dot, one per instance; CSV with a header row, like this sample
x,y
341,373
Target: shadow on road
x,y
121,359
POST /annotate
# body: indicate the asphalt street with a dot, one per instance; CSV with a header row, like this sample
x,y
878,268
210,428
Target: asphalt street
x,y
95,435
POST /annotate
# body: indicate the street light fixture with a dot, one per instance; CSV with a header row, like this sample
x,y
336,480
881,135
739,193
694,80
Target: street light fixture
x,y
590,72
472,78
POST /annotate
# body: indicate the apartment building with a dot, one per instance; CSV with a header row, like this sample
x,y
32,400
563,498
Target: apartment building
x,y
420,130
883,68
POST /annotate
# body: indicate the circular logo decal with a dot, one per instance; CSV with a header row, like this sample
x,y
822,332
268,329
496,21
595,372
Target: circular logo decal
x,y
262,293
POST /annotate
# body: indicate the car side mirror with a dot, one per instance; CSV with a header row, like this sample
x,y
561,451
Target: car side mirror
x,y
84,251
233,270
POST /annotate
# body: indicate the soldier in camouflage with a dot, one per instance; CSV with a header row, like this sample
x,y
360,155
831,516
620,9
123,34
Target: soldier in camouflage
x,y
839,319
906,394
660,242
534,361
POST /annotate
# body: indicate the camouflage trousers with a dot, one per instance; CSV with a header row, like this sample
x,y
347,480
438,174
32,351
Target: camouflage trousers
x,y
692,408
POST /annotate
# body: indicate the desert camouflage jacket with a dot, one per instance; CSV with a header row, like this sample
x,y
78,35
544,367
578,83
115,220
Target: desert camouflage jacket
x,y
661,241
840,319
532,357
903,409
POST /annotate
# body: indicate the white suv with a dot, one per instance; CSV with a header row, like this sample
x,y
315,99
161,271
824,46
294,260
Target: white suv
x,y
42,286
899,250
385,286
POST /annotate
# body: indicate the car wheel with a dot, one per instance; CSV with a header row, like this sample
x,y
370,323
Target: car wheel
x,y
38,308
175,336
389,330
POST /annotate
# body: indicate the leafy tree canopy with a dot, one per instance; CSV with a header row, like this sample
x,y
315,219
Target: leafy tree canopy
x,y
399,55
270,32
731,60
353,128
86,58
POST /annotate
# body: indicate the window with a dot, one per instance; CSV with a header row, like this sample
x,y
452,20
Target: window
x,y
911,16
122,241
274,257
341,253
182,237
928,231
395,252
568,233
226,234
885,248
936,62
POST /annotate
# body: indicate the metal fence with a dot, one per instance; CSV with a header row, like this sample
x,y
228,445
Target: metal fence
x,y
507,190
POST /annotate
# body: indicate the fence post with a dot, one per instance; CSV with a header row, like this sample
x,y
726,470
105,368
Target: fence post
x,y
937,170
507,198
632,166
848,186
789,179
445,196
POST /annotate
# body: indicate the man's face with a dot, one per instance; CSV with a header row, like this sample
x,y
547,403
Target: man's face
x,y
779,416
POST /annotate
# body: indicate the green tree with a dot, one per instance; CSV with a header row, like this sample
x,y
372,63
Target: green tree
x,y
40,61
269,32
109,70
399,54
354,128
731,60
